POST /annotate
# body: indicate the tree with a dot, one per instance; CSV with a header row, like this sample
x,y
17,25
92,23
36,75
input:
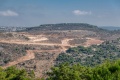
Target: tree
x,y
12,73
106,71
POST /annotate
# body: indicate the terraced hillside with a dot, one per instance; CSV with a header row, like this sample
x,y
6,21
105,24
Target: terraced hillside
x,y
37,48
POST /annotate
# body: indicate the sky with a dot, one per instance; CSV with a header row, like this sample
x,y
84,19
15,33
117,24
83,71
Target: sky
x,y
28,13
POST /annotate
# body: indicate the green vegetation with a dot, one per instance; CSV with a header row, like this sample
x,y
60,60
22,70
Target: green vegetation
x,y
109,70
10,52
66,26
105,71
12,73
78,63
92,55
89,63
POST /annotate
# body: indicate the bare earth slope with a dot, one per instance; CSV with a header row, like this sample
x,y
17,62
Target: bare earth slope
x,y
30,53
41,60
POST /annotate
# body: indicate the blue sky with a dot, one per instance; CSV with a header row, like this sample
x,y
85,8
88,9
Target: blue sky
x,y
36,12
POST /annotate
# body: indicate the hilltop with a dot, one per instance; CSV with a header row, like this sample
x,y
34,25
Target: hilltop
x,y
64,26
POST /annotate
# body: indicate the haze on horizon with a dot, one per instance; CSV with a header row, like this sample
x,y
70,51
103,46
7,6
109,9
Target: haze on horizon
x,y
36,12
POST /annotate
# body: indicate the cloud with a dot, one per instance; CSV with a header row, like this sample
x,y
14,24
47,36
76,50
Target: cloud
x,y
79,12
8,13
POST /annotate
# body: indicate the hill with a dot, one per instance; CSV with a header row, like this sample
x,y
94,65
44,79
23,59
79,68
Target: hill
x,y
111,28
103,34
64,26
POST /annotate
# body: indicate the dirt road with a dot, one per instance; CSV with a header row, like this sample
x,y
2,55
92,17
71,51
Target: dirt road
x,y
30,55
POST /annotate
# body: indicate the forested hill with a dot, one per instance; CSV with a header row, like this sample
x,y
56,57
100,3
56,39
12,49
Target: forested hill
x,y
65,26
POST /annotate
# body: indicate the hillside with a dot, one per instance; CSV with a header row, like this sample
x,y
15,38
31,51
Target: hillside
x,y
51,28
39,48
92,55
13,36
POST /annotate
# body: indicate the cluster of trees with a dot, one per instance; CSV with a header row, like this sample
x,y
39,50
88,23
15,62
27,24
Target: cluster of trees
x,y
13,73
105,71
92,55
109,70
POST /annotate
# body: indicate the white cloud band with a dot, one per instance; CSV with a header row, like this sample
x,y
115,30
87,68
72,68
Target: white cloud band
x,y
79,12
8,13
